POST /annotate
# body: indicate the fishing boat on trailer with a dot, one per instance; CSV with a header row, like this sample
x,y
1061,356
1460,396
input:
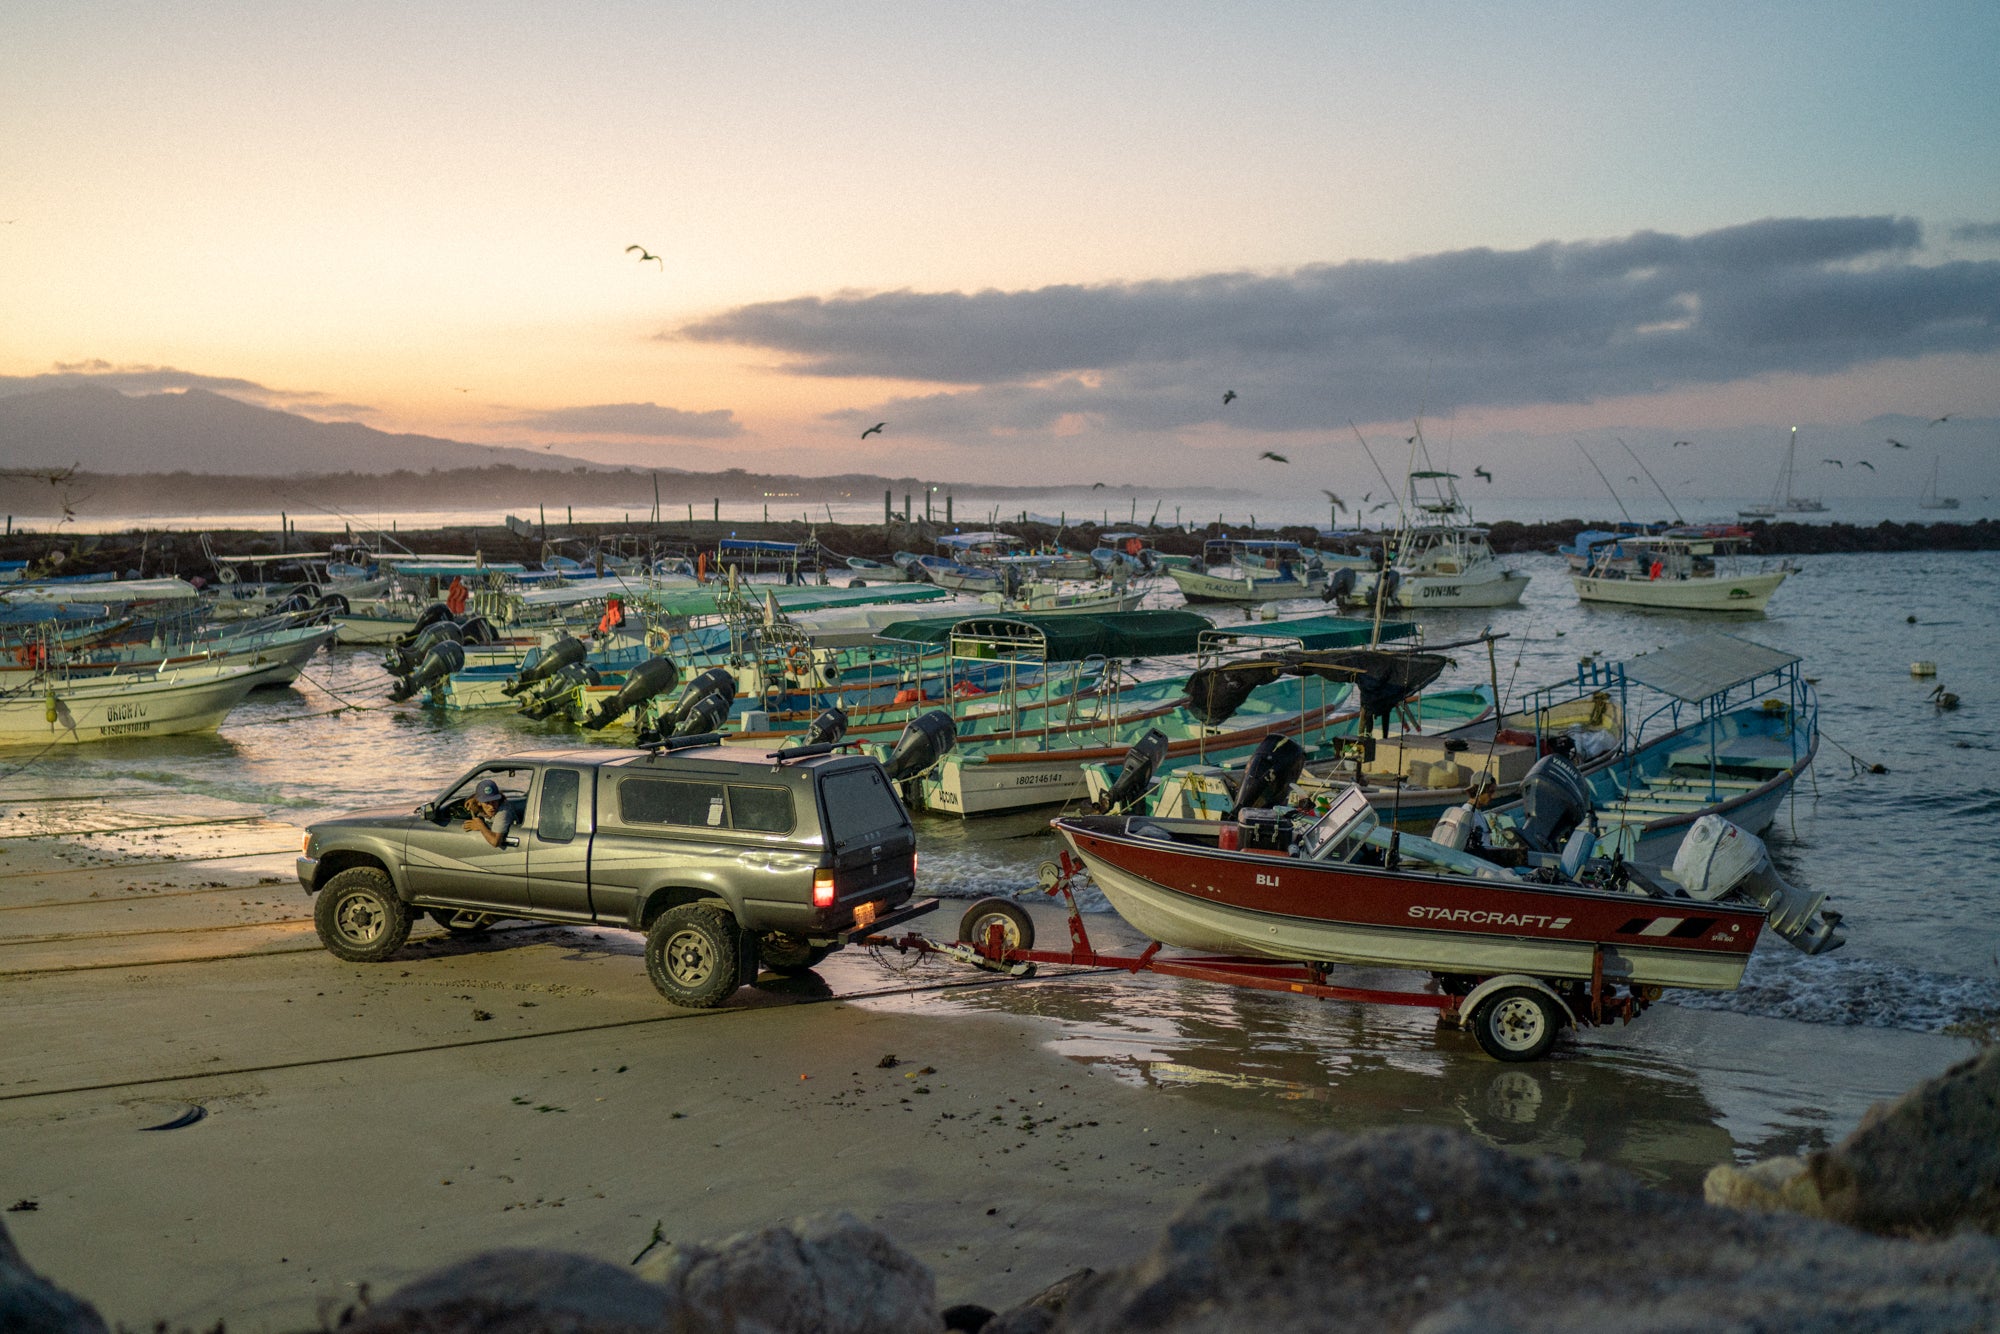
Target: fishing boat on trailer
x,y
57,709
1676,572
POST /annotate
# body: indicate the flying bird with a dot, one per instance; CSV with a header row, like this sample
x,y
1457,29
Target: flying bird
x,y
1378,505
1836,463
1864,463
645,254
1338,503
1939,421
1097,486
1483,475
1275,458
462,391
1228,397
1679,443
1899,444
876,429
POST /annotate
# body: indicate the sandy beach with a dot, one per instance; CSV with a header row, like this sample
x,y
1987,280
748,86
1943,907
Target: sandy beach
x,y
529,1088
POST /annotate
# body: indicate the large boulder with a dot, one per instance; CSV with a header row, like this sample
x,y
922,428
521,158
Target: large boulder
x,y
1429,1229
521,1292
30,1304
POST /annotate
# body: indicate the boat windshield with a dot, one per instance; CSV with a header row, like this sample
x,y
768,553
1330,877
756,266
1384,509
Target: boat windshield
x,y
1341,832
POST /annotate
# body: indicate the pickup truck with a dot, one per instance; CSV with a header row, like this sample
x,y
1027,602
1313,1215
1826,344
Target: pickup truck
x,y
724,858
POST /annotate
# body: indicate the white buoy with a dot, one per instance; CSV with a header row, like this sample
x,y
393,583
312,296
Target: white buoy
x,y
1923,669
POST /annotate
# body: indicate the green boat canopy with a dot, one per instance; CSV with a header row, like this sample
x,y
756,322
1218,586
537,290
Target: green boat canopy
x,y
1134,634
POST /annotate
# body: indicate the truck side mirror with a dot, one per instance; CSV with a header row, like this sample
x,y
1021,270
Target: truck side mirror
x,y
428,811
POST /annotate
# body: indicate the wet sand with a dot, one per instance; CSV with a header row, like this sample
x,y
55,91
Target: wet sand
x,y
529,1088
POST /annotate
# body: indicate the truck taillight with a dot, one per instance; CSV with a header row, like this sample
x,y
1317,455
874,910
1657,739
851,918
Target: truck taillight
x,y
823,887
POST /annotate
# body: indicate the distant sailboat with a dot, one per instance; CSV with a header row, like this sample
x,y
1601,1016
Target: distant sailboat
x,y
1932,500
1783,500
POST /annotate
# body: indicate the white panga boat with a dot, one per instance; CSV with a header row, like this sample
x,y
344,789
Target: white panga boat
x,y
59,710
1249,570
1439,558
1680,573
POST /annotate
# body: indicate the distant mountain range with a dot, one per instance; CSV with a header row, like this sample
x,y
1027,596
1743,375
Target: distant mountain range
x,y
197,431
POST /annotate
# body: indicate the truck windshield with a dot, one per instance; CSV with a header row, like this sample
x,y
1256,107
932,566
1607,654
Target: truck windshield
x,y
860,805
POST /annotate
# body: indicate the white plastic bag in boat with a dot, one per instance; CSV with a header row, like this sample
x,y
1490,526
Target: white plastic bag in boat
x,y
1714,858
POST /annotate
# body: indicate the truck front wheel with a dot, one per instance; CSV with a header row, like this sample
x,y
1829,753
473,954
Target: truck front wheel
x,y
359,917
692,955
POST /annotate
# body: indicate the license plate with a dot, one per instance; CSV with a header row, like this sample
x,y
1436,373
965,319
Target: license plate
x,y
864,914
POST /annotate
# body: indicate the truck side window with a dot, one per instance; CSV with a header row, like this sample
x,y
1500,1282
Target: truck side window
x,y
671,801
557,822
761,810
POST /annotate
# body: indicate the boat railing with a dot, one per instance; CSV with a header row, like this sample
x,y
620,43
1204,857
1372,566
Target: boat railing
x,y
1798,703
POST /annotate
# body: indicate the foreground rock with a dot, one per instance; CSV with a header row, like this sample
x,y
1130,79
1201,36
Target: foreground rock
x,y
1429,1230
1924,1165
30,1304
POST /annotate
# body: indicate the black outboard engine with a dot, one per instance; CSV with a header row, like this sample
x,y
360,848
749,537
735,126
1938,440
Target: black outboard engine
x,y
1135,771
332,604
1214,693
551,696
706,714
478,630
826,729
714,681
1268,778
403,659
443,659
928,739
430,616
1554,801
652,677
1339,585
565,652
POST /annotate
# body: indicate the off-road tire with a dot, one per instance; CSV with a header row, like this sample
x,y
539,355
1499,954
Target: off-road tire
x,y
359,917
783,952
693,953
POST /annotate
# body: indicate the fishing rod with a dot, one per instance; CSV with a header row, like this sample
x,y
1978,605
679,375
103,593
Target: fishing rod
x,y
1602,478
1654,480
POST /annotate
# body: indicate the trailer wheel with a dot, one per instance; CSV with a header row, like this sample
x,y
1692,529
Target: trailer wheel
x,y
1516,1024
1017,928
783,952
359,917
691,955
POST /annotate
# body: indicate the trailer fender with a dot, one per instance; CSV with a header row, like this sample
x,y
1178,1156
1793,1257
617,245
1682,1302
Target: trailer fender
x,y
1469,1006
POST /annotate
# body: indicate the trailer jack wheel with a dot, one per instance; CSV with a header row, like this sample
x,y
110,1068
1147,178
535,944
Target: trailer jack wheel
x,y
1017,929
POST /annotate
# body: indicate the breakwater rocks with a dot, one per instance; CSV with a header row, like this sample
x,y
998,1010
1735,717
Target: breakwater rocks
x,y
1421,1230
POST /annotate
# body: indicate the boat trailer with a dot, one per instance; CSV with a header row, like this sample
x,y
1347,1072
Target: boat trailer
x,y
1514,1017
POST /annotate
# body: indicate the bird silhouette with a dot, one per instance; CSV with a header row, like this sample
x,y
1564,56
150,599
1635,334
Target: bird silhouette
x,y
645,254
1836,463
549,446
1679,443
1409,440
1228,397
1944,698
1483,475
1275,458
1338,503
1632,479
1864,463
1378,505
1899,444
876,429
462,391
1367,496
1939,421
1097,486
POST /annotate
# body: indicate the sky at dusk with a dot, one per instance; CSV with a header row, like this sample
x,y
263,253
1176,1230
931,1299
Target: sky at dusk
x,y
1038,241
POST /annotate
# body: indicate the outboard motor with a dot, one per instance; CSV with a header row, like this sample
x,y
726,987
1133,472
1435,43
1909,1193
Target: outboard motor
x,y
714,681
565,652
299,599
333,604
1554,801
478,630
1135,772
651,677
444,659
1717,859
1267,779
706,714
403,659
552,695
430,616
928,739
1339,585
826,729
1214,693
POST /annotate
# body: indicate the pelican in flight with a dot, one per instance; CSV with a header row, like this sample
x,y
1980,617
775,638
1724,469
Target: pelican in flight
x,y
1275,458
876,429
1483,475
1899,444
1864,463
1679,443
645,254
1836,463
1338,503
1228,397
1939,421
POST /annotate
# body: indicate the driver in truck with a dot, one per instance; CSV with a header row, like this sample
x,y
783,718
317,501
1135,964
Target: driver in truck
x,y
492,817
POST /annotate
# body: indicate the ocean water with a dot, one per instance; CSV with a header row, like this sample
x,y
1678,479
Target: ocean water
x,y
1911,856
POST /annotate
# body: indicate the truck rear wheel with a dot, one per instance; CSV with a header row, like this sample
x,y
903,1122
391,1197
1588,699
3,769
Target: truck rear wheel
x,y
359,917
692,955
783,952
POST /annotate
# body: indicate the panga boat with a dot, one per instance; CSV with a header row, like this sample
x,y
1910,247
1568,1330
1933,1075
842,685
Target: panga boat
x,y
1676,572
1255,570
62,710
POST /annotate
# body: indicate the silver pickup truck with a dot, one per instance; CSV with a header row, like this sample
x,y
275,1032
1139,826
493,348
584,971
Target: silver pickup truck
x,y
725,858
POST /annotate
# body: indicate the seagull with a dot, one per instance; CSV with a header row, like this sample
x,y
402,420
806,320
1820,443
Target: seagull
x,y
1679,443
1367,496
1097,486
645,254
1939,421
1275,458
1378,505
1864,463
1338,503
1228,397
876,429
1483,475
1836,463
1899,444
1409,440
462,391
